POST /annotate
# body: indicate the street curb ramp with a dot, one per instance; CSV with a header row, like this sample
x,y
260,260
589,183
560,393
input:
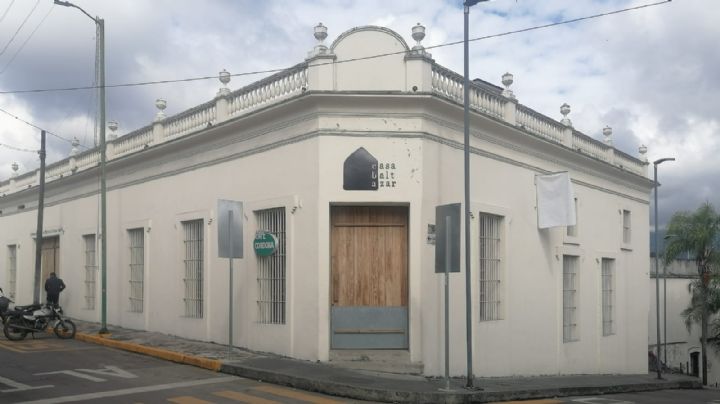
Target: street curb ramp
x,y
205,363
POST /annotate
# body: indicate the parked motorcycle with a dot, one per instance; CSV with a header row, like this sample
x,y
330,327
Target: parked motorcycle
x,y
24,320
4,305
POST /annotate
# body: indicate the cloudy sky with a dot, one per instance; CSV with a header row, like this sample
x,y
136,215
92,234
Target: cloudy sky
x,y
652,74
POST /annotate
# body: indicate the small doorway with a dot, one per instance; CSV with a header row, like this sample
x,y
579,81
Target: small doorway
x,y
369,267
50,261
695,364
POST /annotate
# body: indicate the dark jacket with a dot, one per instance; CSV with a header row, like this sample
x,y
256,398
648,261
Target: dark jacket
x,y
54,285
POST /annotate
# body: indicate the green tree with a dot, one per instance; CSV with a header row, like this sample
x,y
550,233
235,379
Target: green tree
x,y
697,234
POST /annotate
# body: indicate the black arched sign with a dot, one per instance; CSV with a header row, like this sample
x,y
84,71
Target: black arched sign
x,y
360,171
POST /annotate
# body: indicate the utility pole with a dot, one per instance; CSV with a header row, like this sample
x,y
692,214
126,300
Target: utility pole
x,y
658,363
100,49
466,174
39,229
103,189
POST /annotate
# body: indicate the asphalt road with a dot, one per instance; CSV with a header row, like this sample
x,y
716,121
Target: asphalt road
x,y
50,370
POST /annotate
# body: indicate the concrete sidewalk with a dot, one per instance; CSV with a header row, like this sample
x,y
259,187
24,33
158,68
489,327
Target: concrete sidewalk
x,y
366,384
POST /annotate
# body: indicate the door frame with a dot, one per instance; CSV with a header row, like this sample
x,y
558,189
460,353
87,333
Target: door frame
x,y
56,260
406,206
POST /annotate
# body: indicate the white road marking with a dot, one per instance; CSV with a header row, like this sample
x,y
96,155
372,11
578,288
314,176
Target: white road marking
x,y
110,371
19,386
107,371
72,373
134,390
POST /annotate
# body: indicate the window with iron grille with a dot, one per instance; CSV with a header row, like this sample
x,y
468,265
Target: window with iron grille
x,y
570,299
626,227
490,266
193,279
271,269
572,231
137,268
608,296
12,270
90,270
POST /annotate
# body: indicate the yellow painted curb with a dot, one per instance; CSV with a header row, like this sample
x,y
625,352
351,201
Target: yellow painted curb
x,y
205,363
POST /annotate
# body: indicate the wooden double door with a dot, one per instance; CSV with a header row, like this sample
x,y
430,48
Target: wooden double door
x,y
369,267
49,262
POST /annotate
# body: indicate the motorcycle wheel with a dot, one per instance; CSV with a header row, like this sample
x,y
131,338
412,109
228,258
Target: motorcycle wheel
x,y
65,329
12,333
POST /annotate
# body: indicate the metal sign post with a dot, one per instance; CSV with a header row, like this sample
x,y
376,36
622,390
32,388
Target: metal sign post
x,y
230,245
230,291
447,302
447,260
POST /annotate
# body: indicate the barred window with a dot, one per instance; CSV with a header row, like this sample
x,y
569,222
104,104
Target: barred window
x,y
608,296
490,266
12,271
193,240
570,299
271,269
137,268
627,235
90,242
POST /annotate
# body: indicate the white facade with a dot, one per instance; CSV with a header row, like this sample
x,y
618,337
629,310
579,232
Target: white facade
x,y
681,344
282,143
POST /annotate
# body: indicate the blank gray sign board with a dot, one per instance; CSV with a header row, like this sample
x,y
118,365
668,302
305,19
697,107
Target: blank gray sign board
x,y
442,212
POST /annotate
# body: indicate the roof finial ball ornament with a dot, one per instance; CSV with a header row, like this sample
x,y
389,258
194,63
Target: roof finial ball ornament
x,y
113,125
418,34
15,168
224,77
643,153
607,132
75,143
160,104
320,34
507,80
565,110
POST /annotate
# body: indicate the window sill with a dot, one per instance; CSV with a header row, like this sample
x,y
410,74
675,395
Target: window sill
x,y
626,247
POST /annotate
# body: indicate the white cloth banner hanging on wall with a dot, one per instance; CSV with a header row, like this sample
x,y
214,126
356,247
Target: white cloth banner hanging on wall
x,y
555,200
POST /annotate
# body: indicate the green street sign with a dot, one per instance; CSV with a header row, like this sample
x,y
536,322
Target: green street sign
x,y
265,244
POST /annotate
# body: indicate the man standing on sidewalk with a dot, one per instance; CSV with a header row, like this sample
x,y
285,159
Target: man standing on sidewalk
x,y
53,287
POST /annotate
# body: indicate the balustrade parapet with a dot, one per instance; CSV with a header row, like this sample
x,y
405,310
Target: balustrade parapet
x,y
475,83
450,84
189,112
269,79
485,98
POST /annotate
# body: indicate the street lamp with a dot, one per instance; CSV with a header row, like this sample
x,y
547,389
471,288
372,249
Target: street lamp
x,y
466,115
100,27
667,236
657,266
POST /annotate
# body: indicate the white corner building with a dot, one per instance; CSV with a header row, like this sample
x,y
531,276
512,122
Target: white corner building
x,y
343,164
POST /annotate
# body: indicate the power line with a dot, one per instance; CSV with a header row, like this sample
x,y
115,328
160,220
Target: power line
x,y
37,127
20,27
20,149
26,41
7,10
145,83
